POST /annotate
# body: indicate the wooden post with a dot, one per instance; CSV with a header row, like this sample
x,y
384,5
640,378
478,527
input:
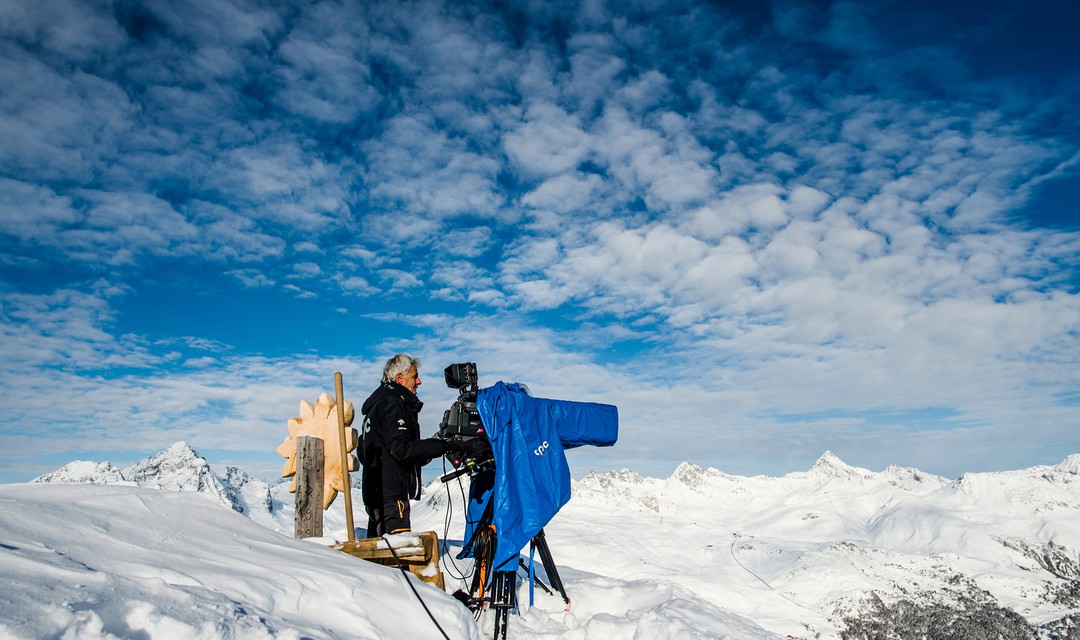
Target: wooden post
x,y
346,486
309,487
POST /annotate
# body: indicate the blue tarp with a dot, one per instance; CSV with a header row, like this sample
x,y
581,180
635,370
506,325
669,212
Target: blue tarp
x,y
531,479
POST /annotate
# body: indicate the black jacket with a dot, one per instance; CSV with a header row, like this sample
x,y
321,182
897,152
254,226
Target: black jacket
x,y
394,451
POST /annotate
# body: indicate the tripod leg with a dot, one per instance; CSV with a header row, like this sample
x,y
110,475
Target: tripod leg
x,y
536,579
540,541
504,598
482,585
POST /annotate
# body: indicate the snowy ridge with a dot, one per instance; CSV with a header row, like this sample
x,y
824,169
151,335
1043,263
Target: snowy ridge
x,y
87,472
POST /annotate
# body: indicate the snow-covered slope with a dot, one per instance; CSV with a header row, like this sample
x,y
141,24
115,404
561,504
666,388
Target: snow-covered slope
x,y
105,562
832,552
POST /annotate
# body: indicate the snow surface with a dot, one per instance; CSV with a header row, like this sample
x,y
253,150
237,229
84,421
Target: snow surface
x,y
166,549
93,561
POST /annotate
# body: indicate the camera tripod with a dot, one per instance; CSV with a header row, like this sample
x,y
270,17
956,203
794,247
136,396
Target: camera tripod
x,y
498,589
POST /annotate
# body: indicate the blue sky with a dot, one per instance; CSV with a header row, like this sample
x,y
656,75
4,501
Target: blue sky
x,y
762,230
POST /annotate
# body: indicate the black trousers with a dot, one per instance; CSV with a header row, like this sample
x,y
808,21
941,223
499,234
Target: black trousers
x,y
392,517
386,513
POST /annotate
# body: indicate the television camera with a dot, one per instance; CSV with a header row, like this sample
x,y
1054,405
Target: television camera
x,y
492,587
462,421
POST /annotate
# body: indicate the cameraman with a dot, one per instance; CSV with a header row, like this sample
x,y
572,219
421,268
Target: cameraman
x,y
393,450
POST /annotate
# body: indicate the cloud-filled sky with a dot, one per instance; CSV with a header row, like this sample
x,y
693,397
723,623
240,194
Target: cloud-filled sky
x,y
761,229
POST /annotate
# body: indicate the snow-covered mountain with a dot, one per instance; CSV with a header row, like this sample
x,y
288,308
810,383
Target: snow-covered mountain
x,y
178,468
84,471
835,551
846,552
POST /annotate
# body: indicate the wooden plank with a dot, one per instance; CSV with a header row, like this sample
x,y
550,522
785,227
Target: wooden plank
x,y
308,522
422,561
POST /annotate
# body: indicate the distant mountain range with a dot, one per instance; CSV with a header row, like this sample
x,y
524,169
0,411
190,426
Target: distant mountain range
x,y
835,551
893,554
178,468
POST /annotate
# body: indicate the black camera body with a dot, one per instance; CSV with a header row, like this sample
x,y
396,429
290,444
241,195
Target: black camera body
x,y
461,421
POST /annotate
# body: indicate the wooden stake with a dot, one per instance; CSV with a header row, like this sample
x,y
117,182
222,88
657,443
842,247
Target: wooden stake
x,y
308,521
347,490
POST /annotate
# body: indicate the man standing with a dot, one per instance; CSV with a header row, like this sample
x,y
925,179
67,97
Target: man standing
x,y
393,450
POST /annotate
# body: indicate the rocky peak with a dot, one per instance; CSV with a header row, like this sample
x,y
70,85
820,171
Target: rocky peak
x,y
243,489
611,478
694,476
181,468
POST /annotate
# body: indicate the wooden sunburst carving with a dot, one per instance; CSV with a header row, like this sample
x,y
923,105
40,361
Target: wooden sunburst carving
x,y
320,420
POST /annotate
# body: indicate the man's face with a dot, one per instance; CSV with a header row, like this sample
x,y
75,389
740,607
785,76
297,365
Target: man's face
x,y
410,379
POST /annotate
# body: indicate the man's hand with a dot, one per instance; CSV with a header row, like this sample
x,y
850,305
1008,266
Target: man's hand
x,y
476,447
473,448
454,448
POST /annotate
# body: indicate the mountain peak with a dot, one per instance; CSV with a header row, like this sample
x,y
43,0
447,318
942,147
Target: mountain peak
x,y
180,447
688,473
830,459
1071,464
694,476
831,464
181,468
168,468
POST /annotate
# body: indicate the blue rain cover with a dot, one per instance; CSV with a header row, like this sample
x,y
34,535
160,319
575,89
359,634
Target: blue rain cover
x,y
532,479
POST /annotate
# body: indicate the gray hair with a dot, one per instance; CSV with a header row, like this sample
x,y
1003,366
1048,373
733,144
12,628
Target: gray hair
x,y
401,363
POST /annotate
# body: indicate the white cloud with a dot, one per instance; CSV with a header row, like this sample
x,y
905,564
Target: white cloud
x,y
664,161
307,247
230,23
401,280
326,74
357,285
66,328
564,193
32,213
548,142
287,184
595,65
420,170
465,242
251,278
459,279
59,126
305,293
72,29
306,270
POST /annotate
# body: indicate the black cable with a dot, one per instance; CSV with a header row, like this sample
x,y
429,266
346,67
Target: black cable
x,y
405,574
447,521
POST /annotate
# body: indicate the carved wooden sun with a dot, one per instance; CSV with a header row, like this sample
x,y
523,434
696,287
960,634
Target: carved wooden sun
x,y
321,421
